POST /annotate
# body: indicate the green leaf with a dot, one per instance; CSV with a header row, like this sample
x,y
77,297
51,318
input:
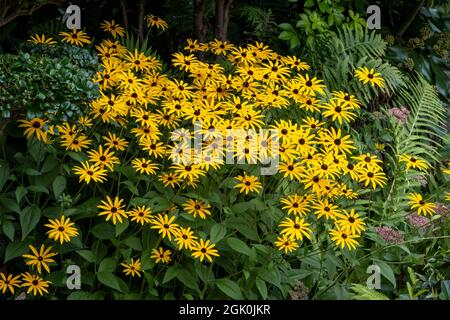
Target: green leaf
x,y
4,175
8,229
15,249
239,246
107,265
59,185
230,288
87,255
32,172
386,271
110,280
262,287
10,204
20,193
103,231
134,243
29,218
38,189
218,231
187,279
171,273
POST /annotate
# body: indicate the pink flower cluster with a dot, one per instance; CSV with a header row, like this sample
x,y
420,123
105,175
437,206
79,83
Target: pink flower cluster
x,y
418,221
400,114
389,235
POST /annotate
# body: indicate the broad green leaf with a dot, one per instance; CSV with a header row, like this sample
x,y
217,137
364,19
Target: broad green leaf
x,y
217,233
107,265
262,287
59,185
386,271
20,193
110,280
230,288
15,249
8,229
103,231
10,204
29,218
238,245
87,255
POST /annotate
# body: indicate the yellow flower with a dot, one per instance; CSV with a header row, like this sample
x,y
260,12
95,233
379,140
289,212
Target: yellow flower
x,y
248,183
197,207
35,284
42,39
8,282
113,209
113,28
165,225
296,229
161,255
417,202
133,268
343,238
141,215
35,127
78,38
90,172
350,222
40,258
413,162
286,243
205,249
369,76
61,229
154,21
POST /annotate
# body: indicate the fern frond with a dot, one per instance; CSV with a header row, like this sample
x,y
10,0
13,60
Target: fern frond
x,y
421,134
364,293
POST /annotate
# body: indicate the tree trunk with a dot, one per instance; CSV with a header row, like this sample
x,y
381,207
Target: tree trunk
x,y
123,8
199,24
222,9
141,15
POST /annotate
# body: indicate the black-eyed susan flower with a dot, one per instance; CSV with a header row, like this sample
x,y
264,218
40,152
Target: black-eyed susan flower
x,y
88,172
115,142
248,183
103,158
188,171
350,221
161,255
40,258
296,228
295,204
376,178
42,39
416,201
112,209
35,127
132,268
169,179
9,282
335,141
369,76
157,22
186,239
34,284
338,111
76,37
75,143
325,208
343,238
165,225
61,229
293,170
413,162
144,166
286,243
197,207
113,28
141,214
205,249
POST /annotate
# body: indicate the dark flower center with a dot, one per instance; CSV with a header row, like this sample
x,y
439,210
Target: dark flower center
x,y
36,124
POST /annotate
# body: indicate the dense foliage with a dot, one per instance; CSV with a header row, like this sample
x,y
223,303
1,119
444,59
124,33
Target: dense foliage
x,y
97,170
